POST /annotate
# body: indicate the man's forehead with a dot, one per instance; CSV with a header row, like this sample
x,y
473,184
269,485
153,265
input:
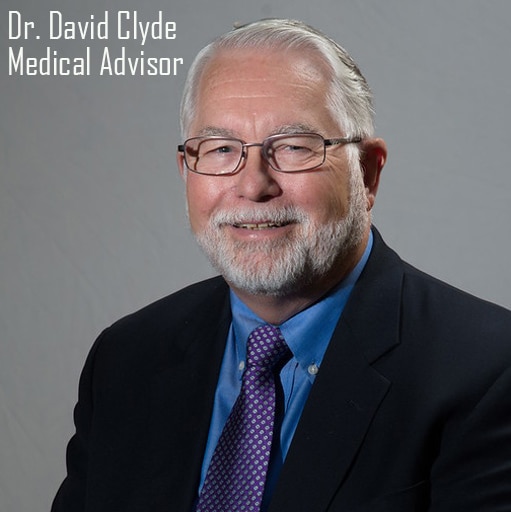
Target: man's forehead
x,y
263,90
256,63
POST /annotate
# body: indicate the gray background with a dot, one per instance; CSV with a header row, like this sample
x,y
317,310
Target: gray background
x,y
91,204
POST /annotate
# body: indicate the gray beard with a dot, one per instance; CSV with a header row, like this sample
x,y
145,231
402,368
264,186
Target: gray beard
x,y
285,266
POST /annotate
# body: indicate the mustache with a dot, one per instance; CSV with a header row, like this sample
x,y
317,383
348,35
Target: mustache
x,y
280,215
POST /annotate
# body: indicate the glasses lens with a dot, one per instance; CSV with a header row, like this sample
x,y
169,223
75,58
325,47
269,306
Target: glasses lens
x,y
299,152
213,155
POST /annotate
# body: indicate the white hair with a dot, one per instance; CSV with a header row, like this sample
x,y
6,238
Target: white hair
x,y
349,99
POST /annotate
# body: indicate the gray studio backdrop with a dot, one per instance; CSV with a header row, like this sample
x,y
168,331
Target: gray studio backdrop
x,y
92,223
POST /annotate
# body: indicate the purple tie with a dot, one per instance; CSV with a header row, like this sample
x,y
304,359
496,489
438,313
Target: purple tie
x,y
237,473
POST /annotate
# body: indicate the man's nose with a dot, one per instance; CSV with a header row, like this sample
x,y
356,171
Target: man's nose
x,y
256,180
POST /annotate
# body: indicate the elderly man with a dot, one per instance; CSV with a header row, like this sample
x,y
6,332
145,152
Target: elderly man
x,y
320,372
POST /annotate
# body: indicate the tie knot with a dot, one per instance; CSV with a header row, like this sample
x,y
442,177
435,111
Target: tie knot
x,y
265,347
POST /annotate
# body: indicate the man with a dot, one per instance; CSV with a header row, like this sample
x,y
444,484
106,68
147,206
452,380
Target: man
x,y
390,390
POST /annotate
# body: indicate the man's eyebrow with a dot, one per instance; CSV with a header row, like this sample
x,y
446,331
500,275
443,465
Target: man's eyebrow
x,y
215,131
294,128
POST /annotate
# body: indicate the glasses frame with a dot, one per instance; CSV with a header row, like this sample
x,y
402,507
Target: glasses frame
x,y
264,145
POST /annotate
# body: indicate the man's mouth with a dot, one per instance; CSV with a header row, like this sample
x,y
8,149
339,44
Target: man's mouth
x,y
259,225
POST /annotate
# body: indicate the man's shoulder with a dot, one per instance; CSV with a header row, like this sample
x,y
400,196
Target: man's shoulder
x,y
438,328
446,315
420,286
189,297
428,303
186,305
448,300
184,326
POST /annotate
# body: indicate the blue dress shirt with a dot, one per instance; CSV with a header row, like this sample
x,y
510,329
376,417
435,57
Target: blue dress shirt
x,y
307,334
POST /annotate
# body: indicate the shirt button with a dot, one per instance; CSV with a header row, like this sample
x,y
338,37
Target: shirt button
x,y
241,366
313,369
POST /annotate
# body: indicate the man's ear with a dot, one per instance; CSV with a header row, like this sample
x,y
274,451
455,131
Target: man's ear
x,y
180,159
373,155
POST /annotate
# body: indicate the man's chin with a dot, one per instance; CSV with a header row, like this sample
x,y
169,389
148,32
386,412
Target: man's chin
x,y
255,270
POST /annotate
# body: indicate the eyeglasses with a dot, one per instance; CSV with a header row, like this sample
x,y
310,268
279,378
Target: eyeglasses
x,y
284,152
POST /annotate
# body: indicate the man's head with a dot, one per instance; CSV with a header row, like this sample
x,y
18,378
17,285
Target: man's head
x,y
267,231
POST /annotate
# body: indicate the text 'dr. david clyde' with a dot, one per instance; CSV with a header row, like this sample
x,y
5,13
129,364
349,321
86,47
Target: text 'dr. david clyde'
x,y
91,59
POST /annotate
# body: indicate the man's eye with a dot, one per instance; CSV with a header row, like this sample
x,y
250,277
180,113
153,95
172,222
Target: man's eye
x,y
220,150
225,149
291,148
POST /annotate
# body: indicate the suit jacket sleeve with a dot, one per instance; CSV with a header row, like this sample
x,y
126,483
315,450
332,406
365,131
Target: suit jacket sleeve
x,y
473,473
71,495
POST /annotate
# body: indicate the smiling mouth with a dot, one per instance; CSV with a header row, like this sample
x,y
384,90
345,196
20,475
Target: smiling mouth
x,y
260,225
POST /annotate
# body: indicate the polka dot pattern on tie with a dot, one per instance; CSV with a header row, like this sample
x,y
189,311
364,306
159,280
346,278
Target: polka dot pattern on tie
x,y
237,473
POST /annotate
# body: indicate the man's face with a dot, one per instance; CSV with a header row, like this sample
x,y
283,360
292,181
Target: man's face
x,y
270,232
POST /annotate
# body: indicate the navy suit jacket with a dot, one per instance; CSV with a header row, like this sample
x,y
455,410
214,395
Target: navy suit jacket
x,y
411,409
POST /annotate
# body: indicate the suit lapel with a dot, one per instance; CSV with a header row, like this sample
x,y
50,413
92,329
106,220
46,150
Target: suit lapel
x,y
347,392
